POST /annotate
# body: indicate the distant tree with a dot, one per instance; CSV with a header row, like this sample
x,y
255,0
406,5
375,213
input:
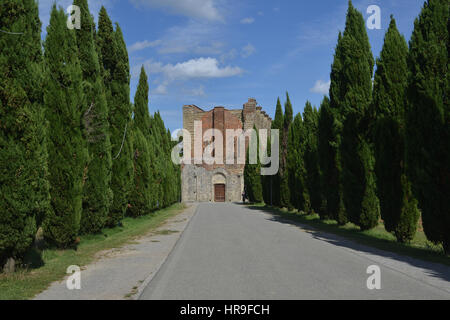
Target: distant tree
x,y
252,176
398,207
428,119
24,188
64,101
116,75
97,192
296,166
327,153
311,156
141,195
274,182
284,179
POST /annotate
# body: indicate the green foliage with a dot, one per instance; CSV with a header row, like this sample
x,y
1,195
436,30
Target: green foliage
x,y
24,189
274,182
252,174
331,140
428,119
116,76
283,173
157,181
140,197
64,101
352,99
296,167
398,207
97,193
141,201
311,156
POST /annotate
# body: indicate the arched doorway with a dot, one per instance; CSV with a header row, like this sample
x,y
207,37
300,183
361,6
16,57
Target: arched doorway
x,y
219,187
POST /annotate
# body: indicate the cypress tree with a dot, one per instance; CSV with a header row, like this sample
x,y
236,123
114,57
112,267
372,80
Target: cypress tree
x,y
311,157
252,175
331,139
398,206
169,187
115,66
97,192
275,181
24,189
284,179
296,166
140,197
358,180
64,101
327,152
428,119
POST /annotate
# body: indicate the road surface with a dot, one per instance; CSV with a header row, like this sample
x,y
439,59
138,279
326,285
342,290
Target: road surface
x,y
232,252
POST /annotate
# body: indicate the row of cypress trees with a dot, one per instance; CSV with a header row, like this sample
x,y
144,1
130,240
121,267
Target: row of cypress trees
x,y
376,148
73,158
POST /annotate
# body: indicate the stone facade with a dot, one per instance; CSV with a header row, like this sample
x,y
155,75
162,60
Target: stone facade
x,y
199,181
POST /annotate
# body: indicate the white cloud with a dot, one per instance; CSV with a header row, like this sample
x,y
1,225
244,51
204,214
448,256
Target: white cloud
x,y
247,51
249,20
201,68
199,9
321,87
143,45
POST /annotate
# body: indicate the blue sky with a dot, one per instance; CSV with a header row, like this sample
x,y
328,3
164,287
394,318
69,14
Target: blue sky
x,y
221,52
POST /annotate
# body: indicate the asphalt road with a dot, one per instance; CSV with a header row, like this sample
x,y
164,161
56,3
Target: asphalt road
x,y
232,252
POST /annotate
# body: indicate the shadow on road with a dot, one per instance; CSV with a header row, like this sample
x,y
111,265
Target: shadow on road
x,y
381,247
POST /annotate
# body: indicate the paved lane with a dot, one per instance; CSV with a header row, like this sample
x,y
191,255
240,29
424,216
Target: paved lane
x,y
232,252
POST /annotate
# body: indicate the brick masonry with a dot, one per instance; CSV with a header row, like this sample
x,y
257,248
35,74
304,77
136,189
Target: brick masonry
x,y
198,180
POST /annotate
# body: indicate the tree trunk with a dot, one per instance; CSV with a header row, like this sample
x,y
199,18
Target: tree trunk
x,y
9,266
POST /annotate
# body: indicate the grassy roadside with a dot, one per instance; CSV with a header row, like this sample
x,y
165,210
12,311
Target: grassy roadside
x,y
378,237
25,284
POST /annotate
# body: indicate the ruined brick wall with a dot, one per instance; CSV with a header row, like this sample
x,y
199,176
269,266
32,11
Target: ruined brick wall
x,y
198,180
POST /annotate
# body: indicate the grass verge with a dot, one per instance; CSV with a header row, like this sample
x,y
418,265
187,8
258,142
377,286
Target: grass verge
x,y
26,283
378,237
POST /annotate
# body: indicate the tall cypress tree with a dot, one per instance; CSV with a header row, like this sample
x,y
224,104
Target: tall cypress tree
x,y
354,97
97,192
398,206
311,157
168,179
284,178
331,139
274,182
115,65
296,166
140,197
327,152
24,188
252,175
428,119
64,101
